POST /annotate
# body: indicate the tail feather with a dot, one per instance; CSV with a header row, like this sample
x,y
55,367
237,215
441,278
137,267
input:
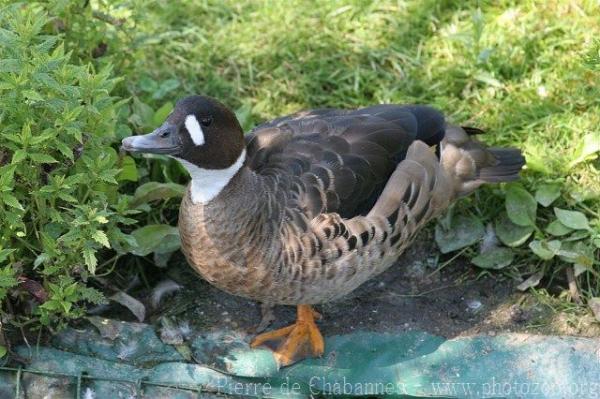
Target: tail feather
x,y
470,163
472,131
509,164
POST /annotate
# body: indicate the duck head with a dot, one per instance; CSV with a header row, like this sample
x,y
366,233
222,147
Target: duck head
x,y
205,137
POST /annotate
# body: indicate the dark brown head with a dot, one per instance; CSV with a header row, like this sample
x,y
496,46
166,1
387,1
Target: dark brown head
x,y
200,131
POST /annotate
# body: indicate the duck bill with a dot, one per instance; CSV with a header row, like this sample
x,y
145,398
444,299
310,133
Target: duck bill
x,y
163,140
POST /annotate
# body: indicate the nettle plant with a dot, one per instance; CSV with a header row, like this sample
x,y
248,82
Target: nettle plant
x,y
59,199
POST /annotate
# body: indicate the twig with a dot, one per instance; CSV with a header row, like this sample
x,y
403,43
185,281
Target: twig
x,y
420,294
109,19
446,263
573,285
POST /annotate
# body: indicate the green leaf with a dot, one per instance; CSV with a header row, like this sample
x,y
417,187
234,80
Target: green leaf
x,y
18,156
161,114
11,200
521,207
101,219
42,158
158,238
7,174
463,231
573,219
40,259
90,260
148,84
66,306
33,95
129,170
577,235
589,146
165,87
496,258
100,237
5,252
153,191
51,305
577,252
557,229
511,234
142,114
64,149
3,351
67,197
545,250
10,65
547,194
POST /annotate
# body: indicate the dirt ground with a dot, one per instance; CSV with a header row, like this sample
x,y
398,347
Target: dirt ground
x,y
412,295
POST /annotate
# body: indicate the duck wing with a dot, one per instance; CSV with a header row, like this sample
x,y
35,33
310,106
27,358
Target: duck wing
x,y
339,161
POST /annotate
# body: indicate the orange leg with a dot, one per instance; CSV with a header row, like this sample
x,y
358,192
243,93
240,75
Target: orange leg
x,y
296,342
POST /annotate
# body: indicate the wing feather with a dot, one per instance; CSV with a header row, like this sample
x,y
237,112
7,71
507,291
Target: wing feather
x,y
339,159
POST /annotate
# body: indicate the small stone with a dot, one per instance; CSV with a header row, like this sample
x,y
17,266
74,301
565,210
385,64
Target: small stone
x,y
492,333
474,305
517,314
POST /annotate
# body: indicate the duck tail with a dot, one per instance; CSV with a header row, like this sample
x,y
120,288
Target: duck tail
x,y
469,163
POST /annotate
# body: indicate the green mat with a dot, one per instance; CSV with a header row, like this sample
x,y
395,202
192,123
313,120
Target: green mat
x,y
112,359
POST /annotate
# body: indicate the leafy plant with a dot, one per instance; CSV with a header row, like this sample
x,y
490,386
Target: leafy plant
x,y
59,199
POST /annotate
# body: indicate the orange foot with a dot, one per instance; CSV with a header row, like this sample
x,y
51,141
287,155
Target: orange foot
x,y
296,342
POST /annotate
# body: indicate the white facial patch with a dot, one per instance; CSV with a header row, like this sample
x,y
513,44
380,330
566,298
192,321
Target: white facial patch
x,y
193,127
208,183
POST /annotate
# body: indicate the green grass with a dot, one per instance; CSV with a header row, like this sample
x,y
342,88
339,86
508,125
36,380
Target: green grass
x,y
516,69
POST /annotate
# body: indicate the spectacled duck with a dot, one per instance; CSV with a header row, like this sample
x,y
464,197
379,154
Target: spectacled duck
x,y
305,208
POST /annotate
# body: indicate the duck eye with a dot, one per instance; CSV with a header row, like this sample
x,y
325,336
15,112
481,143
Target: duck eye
x,y
206,121
165,133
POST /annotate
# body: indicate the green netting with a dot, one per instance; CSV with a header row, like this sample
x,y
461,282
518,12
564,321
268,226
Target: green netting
x,y
121,360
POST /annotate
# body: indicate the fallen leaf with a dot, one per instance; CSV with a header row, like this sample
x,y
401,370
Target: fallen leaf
x,y
135,306
34,288
108,328
531,281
